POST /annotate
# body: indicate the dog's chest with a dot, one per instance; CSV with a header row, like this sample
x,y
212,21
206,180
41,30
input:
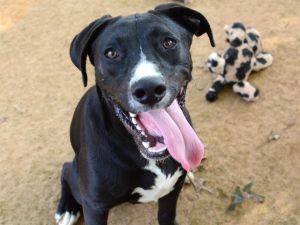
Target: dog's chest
x,y
163,184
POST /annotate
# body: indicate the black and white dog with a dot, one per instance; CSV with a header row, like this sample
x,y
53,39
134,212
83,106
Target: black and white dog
x,y
131,132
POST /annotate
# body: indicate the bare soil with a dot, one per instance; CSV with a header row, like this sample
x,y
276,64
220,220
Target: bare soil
x,y
40,89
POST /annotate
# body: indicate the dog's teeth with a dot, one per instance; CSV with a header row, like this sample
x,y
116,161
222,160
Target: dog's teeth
x,y
151,149
138,127
133,120
162,149
143,133
157,150
146,144
132,115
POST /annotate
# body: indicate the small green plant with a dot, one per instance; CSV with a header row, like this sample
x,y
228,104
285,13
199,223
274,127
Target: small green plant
x,y
238,196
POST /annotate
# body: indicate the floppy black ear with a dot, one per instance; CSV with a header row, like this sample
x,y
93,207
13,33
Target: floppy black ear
x,y
82,42
190,19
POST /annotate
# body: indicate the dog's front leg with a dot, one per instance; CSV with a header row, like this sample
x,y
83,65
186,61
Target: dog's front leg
x,y
95,213
167,206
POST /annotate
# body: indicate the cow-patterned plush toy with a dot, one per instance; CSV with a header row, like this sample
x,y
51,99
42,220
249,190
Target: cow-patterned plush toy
x,y
238,32
243,56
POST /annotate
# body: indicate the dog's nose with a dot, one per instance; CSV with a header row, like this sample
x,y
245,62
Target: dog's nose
x,y
149,91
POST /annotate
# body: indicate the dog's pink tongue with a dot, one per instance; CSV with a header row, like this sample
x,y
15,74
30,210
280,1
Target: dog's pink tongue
x,y
179,137
194,149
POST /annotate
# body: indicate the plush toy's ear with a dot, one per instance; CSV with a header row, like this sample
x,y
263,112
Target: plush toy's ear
x,y
190,19
82,42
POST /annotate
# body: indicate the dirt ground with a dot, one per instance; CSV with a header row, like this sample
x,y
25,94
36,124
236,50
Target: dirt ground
x,y
40,89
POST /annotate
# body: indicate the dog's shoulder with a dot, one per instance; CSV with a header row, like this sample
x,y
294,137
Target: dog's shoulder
x,y
88,110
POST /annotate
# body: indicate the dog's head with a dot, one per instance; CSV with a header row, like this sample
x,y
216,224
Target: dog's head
x,y
142,62
236,34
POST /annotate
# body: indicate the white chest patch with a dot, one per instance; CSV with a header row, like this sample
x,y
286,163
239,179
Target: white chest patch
x,y
163,184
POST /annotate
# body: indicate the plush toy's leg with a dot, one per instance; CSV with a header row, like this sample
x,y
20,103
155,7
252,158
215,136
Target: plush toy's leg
x,y
216,87
262,61
246,90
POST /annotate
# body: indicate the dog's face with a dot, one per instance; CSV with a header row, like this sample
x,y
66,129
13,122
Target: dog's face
x,y
235,34
142,63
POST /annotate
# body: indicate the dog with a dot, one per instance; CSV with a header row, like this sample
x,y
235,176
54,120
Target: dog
x,y
131,133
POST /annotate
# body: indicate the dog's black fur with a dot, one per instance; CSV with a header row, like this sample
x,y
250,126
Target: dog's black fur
x,y
108,165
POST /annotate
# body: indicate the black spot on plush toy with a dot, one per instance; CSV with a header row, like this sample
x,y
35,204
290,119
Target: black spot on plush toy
x,y
243,56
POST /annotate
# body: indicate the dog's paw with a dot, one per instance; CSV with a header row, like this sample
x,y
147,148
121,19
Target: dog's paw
x,y
211,96
67,218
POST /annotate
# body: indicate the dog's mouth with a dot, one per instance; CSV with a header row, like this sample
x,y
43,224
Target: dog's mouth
x,y
161,133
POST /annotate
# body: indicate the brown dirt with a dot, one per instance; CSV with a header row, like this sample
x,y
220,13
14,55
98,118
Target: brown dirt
x,y
40,89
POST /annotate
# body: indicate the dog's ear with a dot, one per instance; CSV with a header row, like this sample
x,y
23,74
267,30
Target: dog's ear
x,y
82,42
190,19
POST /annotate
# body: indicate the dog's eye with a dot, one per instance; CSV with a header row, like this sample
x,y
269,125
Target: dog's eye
x,y
111,53
169,43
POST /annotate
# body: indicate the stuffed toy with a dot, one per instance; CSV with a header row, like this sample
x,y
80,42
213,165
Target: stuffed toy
x,y
244,55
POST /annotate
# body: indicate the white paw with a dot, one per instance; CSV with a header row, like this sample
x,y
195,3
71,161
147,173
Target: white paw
x,y
66,218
